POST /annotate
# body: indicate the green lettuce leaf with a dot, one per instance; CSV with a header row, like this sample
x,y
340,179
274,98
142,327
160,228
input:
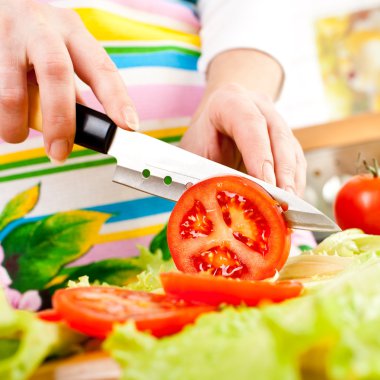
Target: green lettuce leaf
x,y
337,253
154,264
348,243
339,322
25,341
150,266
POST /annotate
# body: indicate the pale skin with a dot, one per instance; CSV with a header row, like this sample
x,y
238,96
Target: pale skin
x,y
236,123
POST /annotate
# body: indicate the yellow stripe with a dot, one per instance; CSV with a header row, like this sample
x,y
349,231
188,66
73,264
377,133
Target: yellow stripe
x,y
40,152
131,234
161,133
28,154
106,26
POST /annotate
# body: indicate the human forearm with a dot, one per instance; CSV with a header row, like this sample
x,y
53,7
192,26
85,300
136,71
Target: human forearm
x,y
252,69
237,123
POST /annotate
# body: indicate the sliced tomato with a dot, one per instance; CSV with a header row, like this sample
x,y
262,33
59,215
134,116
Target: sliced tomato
x,y
218,290
228,226
94,310
49,315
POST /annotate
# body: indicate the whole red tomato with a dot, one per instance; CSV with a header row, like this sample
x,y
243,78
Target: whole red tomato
x,y
357,204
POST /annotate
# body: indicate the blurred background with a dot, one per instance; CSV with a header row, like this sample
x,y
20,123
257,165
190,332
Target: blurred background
x,y
331,95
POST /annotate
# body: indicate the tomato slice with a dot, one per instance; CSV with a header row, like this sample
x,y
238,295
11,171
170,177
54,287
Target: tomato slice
x,y
49,315
218,290
94,310
228,226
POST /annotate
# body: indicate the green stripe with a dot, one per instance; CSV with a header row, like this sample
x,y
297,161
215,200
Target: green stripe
x,y
44,160
58,169
148,49
171,139
65,168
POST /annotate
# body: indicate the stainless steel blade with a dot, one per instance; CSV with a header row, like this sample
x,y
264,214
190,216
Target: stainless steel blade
x,y
148,164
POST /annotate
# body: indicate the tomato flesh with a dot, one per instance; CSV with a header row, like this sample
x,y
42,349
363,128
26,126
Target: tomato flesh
x,y
49,315
94,310
228,226
215,291
220,261
236,210
195,223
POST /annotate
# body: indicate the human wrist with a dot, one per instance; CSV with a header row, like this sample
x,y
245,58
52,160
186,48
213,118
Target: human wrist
x,y
252,69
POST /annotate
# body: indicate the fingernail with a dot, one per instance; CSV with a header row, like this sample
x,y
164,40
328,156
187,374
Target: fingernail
x,y
58,151
130,118
268,173
290,189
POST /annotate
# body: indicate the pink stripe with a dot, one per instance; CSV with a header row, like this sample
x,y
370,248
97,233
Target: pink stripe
x,y
176,11
117,249
160,7
158,102
33,133
154,102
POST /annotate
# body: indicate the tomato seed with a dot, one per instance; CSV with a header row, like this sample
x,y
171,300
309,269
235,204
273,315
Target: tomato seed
x,y
195,223
255,234
219,261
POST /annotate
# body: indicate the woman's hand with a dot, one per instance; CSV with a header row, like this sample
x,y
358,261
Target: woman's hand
x,y
237,126
241,128
51,44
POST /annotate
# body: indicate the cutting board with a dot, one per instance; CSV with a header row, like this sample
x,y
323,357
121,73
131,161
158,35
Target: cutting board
x,y
100,366
88,366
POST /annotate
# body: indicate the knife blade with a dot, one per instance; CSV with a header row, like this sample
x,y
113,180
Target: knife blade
x,y
159,168
162,169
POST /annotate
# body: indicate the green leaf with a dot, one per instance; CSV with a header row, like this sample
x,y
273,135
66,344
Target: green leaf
x,y
35,252
19,206
16,242
332,334
149,279
160,242
25,341
348,243
117,271
8,347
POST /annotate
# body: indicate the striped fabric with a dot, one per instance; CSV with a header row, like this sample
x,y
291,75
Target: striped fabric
x,y
155,45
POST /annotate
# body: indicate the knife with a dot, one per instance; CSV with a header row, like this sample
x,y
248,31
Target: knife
x,y
155,167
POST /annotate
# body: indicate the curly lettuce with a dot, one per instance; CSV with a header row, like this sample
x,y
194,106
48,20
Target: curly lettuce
x,y
26,341
330,333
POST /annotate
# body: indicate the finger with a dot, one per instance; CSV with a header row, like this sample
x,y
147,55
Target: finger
x,y
239,118
94,67
281,138
300,177
13,96
78,94
55,75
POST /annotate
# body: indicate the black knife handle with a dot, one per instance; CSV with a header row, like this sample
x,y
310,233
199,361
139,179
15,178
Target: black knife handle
x,y
94,130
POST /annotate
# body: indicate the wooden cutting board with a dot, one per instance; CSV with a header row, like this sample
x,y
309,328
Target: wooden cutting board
x,y
88,366
100,366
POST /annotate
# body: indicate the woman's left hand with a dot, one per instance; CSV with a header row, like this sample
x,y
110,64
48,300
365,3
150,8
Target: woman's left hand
x,y
242,129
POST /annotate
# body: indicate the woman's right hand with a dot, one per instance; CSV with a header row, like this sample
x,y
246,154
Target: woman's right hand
x,y
51,44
